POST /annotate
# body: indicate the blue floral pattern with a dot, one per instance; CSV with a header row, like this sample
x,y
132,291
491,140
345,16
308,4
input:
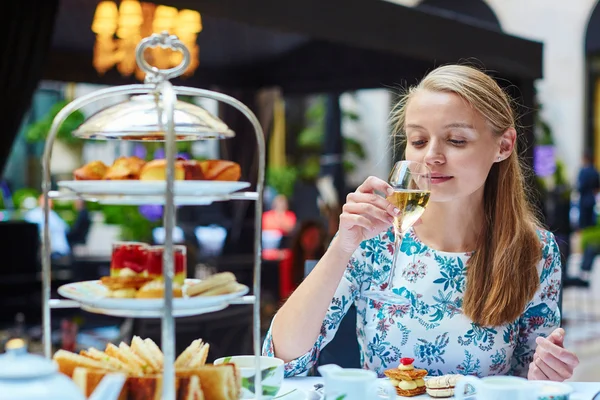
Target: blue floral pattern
x,y
431,327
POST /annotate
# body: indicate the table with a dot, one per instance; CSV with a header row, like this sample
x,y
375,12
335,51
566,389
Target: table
x,y
583,390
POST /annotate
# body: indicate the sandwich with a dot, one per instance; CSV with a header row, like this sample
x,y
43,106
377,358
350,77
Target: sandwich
x,y
142,363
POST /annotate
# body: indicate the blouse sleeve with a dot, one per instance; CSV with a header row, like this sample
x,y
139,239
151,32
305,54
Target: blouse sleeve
x,y
346,293
542,315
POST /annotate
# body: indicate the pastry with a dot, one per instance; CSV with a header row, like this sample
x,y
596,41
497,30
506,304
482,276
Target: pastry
x,y
189,170
124,282
210,284
157,171
407,379
93,171
156,290
442,386
221,170
125,168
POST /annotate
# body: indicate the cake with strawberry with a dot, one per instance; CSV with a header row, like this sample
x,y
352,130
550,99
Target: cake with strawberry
x,y
407,379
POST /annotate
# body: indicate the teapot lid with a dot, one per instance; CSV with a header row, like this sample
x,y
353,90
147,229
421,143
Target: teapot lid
x,y
17,363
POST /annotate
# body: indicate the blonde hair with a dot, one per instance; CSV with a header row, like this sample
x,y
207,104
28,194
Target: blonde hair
x,y
502,274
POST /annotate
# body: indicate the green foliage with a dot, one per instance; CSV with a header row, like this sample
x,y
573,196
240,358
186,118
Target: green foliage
x,y
38,131
21,194
310,142
282,179
590,236
134,226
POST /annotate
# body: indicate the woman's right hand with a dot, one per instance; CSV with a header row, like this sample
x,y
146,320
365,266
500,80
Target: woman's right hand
x,y
365,214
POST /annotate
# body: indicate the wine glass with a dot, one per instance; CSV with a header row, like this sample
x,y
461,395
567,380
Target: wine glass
x,y
411,182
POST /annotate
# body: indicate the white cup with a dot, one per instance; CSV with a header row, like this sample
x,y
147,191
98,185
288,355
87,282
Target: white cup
x,y
497,388
353,384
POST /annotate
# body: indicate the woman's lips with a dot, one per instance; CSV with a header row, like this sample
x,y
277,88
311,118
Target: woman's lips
x,y
436,179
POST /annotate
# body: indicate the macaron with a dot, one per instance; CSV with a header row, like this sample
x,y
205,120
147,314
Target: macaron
x,y
442,386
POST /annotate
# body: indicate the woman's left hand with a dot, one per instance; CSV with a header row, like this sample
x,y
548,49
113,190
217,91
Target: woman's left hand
x,y
551,361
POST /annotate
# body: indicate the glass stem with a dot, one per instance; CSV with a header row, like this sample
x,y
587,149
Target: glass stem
x,y
397,243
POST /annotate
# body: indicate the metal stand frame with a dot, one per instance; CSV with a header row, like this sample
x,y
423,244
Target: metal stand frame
x,y
157,83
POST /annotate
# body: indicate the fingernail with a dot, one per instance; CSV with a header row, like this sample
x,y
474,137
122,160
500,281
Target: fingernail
x,y
558,335
390,191
391,220
539,340
396,211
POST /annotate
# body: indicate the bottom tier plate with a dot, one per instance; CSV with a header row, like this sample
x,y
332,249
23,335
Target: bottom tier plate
x,y
93,294
153,313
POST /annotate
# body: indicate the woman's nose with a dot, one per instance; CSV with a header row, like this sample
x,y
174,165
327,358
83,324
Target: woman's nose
x,y
434,155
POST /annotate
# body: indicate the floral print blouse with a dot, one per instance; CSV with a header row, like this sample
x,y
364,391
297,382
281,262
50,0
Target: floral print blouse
x,y
432,329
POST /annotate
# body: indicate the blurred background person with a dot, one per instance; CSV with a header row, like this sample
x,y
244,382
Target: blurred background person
x,y
588,184
59,229
307,244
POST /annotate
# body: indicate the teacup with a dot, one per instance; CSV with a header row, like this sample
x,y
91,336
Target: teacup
x,y
353,384
554,391
497,388
271,372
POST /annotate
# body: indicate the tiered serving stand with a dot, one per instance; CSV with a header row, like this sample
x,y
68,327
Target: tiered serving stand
x,y
153,113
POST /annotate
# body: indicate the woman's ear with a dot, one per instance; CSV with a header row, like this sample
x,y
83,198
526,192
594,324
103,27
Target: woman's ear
x,y
506,144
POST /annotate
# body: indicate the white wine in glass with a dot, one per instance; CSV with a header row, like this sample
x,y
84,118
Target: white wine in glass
x,y
411,182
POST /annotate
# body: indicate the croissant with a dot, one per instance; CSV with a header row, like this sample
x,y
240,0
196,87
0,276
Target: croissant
x,y
221,170
92,171
125,168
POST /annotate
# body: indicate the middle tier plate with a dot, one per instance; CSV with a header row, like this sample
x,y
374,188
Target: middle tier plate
x,y
153,188
94,295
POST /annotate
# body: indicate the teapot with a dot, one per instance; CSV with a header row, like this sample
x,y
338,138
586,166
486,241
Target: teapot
x,y
25,376
353,383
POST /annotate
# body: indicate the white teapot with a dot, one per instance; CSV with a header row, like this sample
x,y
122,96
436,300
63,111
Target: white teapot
x,y
25,376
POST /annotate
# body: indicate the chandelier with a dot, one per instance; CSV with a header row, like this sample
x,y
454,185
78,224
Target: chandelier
x,y
120,28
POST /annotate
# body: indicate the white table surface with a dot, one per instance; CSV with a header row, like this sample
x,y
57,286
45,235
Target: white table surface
x,y
583,390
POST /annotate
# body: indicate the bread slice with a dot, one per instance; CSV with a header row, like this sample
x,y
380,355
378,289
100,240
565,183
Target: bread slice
x,y
199,359
88,379
219,382
67,362
190,389
155,350
133,367
133,358
184,358
140,348
108,360
147,387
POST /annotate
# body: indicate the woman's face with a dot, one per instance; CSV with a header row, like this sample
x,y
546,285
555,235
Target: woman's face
x,y
453,139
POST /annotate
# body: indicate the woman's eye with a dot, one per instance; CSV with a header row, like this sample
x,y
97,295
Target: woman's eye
x,y
418,143
457,142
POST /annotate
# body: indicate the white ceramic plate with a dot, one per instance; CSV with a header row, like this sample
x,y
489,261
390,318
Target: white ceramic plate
x,y
138,200
153,313
94,295
422,396
293,394
153,188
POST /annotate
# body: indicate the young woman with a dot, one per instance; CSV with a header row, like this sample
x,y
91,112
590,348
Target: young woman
x,y
483,278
